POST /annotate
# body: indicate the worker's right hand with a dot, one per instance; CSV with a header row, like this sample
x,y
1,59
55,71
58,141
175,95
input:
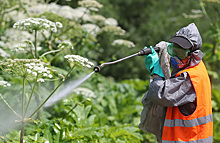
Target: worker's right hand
x,y
152,63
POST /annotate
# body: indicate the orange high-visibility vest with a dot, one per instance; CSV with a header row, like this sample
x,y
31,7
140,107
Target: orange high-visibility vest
x,y
197,127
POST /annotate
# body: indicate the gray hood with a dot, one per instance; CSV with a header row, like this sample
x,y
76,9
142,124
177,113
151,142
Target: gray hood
x,y
191,33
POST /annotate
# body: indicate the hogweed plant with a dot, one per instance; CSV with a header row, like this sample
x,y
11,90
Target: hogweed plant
x,y
28,69
78,60
34,70
116,30
35,25
90,4
37,71
122,42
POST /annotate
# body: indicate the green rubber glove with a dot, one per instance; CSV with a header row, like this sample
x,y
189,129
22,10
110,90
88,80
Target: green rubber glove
x,y
152,63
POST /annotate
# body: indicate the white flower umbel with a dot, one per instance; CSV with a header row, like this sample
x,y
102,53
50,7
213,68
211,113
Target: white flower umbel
x,y
98,19
37,24
91,28
73,14
78,60
116,30
81,13
27,68
121,42
4,83
85,92
40,8
111,21
90,3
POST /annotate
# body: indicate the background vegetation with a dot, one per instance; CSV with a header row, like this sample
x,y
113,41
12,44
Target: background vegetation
x,y
107,106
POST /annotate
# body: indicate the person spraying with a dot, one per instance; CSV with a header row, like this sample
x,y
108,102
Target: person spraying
x,y
178,108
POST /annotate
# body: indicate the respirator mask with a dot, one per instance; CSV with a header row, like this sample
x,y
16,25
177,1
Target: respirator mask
x,y
178,54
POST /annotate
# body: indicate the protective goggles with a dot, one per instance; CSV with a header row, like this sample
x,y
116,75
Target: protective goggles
x,y
174,50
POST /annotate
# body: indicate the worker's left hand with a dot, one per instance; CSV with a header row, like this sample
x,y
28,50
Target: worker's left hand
x,y
152,63
164,58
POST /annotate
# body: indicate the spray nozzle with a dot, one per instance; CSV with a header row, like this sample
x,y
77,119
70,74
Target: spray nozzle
x,y
97,68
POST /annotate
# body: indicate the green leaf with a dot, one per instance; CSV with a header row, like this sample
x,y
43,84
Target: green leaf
x,y
216,98
60,71
89,131
216,127
86,111
91,119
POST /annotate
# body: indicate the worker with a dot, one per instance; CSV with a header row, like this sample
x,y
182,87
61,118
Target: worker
x,y
185,97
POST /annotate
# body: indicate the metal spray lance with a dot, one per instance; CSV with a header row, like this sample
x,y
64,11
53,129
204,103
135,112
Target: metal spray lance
x,y
142,52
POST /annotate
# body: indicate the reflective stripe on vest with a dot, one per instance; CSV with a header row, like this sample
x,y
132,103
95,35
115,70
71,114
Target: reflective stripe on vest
x,y
197,127
207,140
188,123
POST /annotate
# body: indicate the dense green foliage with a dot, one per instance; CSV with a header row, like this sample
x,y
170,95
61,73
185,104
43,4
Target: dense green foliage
x,y
107,107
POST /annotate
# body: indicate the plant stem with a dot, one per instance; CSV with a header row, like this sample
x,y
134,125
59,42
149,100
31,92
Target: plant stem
x,y
23,98
22,132
52,92
35,43
23,116
72,109
50,52
37,98
32,46
3,139
31,95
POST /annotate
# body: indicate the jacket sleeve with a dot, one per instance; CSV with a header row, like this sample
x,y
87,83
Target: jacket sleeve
x,y
172,92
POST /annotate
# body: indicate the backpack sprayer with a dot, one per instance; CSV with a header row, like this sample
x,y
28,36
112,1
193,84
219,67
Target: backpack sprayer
x,y
142,52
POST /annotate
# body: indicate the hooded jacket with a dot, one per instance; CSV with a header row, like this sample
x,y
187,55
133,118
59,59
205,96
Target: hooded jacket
x,y
191,33
172,92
